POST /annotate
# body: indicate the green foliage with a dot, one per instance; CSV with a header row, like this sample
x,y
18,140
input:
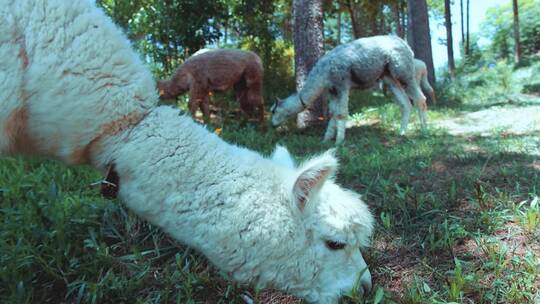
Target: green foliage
x,y
436,9
166,32
488,84
532,88
369,18
476,57
498,27
530,28
260,22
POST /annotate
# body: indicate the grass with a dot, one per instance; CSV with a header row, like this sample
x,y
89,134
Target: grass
x,y
458,217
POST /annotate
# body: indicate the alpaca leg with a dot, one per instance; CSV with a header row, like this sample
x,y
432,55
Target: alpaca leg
x,y
332,122
330,129
342,115
336,124
196,98
414,92
255,98
424,83
403,102
260,111
341,127
419,99
205,109
259,107
193,106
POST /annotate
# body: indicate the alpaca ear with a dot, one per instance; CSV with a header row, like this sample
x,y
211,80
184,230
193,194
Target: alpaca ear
x,y
275,105
281,156
313,175
161,88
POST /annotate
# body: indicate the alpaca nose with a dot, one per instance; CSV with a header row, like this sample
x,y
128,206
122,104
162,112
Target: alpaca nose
x,y
366,287
365,282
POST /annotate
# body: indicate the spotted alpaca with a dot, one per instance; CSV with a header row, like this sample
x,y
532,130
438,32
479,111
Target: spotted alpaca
x,y
359,64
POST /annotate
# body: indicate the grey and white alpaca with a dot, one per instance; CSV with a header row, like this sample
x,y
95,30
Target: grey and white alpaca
x,y
359,64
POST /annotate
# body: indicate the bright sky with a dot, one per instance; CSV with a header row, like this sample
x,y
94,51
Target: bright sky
x,y
477,15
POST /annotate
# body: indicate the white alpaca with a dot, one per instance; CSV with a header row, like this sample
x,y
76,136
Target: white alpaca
x,y
357,65
71,88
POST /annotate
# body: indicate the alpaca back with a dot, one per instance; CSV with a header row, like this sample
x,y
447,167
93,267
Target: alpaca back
x,y
223,67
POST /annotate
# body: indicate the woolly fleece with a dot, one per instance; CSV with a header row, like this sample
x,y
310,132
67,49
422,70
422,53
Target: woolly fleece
x,y
218,70
359,64
72,88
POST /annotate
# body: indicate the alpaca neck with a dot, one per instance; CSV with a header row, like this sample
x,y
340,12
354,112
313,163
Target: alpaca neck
x,y
314,86
175,86
204,192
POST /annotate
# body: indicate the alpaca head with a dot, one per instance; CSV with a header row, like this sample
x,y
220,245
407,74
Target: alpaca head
x,y
179,84
284,108
336,224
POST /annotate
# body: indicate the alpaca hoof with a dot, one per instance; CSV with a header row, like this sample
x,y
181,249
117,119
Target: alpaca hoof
x,y
340,140
327,138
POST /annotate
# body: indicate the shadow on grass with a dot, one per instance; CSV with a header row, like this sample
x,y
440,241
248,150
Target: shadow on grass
x,y
432,193
514,100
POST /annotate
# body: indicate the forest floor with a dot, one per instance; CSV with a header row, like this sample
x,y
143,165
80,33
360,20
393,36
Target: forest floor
x,y
515,120
457,212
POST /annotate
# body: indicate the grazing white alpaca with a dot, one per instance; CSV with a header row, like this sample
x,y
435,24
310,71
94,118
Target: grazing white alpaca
x,y
72,88
357,65
421,73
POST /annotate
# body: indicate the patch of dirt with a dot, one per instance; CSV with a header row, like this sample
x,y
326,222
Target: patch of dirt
x,y
276,297
510,120
518,240
368,122
398,264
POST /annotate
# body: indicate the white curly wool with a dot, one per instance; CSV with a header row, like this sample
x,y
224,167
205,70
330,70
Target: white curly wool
x,y
72,88
359,64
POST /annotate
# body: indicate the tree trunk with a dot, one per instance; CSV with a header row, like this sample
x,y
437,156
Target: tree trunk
x,y
382,29
449,40
462,24
308,48
226,32
517,44
418,34
397,16
403,10
468,33
338,38
354,21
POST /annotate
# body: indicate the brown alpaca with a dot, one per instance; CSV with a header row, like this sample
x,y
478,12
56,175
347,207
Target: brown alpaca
x,y
217,71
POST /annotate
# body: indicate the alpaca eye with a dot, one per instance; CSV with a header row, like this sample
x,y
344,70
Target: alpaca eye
x,y
333,245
